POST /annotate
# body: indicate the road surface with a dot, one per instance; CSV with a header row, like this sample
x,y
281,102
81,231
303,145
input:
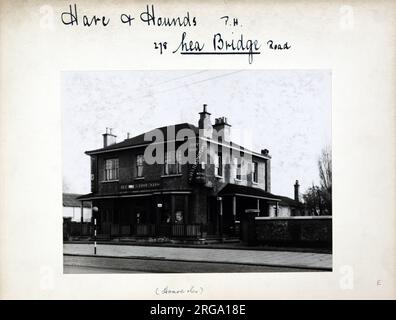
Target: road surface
x,y
90,264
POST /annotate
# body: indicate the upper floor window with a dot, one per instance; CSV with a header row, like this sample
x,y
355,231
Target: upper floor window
x,y
219,165
139,165
255,171
111,169
266,175
238,171
172,162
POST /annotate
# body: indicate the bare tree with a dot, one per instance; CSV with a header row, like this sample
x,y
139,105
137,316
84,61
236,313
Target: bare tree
x,y
325,171
318,199
325,175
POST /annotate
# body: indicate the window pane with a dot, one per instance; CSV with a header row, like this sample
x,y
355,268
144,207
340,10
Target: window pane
x,y
238,168
255,172
172,163
178,161
111,169
139,160
139,165
219,165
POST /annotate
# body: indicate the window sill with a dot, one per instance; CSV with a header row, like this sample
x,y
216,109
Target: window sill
x,y
109,181
219,177
139,178
237,180
171,175
255,183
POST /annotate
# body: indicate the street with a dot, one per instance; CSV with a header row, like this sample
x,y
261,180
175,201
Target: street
x,y
115,258
86,264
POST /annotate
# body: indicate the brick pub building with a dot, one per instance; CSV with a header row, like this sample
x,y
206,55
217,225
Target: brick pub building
x,y
204,198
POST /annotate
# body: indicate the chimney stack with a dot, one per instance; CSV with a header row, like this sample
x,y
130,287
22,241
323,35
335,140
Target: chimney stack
x,y
296,191
109,138
204,124
264,152
223,129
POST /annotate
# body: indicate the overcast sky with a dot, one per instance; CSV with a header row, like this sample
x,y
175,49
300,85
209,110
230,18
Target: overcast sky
x,y
285,111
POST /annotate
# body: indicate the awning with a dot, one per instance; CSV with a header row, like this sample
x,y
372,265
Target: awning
x,y
249,192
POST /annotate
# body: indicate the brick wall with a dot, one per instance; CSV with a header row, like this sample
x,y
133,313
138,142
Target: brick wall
x,y
295,231
128,174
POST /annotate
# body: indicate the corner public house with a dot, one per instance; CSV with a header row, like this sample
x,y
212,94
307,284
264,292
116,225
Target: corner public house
x,y
132,198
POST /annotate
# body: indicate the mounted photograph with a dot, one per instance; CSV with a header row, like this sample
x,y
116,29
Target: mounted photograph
x,y
197,171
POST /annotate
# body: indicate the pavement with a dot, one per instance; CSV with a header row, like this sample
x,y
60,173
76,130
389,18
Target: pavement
x,y
74,264
215,245
307,260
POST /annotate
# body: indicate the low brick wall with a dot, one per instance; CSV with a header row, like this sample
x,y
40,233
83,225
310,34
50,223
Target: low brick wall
x,y
307,231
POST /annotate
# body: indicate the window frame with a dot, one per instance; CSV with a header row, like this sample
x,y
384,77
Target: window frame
x,y
141,155
219,165
255,176
238,169
111,172
176,167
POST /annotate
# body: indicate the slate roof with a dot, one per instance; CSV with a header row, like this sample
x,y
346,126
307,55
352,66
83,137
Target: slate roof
x,y
71,200
139,140
289,202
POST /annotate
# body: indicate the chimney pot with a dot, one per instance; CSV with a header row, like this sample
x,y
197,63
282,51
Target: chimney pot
x,y
264,152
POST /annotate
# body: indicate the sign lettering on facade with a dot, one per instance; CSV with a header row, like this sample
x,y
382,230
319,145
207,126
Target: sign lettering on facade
x,y
140,186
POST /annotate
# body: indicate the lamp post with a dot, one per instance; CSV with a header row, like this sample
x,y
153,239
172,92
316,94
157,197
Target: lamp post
x,y
95,210
220,208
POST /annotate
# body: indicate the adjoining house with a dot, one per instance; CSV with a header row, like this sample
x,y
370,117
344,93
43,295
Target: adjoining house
x,y
289,207
204,197
72,208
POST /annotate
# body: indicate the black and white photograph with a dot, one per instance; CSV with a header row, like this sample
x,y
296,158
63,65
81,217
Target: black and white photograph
x,y
197,171
181,151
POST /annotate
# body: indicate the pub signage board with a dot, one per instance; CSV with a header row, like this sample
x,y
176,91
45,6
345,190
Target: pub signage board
x,y
139,186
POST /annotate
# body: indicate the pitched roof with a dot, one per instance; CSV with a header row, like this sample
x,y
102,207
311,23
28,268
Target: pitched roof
x,y
139,140
230,189
289,201
70,200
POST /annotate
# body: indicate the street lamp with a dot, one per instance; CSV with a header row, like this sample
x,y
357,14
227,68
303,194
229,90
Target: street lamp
x,y
95,210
